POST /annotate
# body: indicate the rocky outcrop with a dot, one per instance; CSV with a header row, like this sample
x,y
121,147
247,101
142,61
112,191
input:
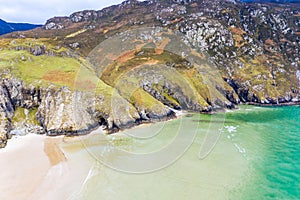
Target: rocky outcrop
x,y
6,113
64,112
87,15
13,95
173,92
67,112
55,23
61,111
38,50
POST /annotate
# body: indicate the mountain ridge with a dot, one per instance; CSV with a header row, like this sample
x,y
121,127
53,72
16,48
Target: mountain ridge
x,y
271,1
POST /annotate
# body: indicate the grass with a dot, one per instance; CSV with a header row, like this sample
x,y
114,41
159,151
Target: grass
x,y
20,116
27,43
32,117
116,70
45,70
198,83
165,94
143,100
59,71
259,73
181,75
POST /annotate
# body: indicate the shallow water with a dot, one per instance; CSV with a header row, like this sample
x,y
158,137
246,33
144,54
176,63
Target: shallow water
x,y
271,138
256,156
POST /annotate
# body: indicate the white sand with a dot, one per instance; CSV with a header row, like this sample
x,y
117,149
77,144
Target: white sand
x,y
23,165
34,167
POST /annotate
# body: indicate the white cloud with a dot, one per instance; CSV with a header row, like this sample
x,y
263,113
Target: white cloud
x,y
38,11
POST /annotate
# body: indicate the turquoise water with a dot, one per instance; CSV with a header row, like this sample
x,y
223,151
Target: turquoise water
x,y
271,139
257,156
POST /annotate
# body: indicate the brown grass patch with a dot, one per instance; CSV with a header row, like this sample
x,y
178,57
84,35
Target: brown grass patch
x,y
86,85
127,55
197,54
57,76
237,36
194,5
161,46
270,42
238,40
237,31
177,20
111,28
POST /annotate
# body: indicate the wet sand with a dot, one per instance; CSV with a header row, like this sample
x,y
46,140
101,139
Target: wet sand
x,y
53,151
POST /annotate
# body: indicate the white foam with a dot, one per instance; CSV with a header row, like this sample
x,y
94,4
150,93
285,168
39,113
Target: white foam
x,y
231,129
241,149
94,170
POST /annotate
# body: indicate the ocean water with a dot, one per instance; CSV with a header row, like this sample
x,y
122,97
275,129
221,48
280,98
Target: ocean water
x,y
250,153
271,139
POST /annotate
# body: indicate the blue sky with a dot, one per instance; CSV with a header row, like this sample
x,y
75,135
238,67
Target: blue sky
x,y
38,11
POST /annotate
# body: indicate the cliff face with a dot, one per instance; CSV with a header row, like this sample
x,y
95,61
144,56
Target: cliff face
x,y
135,62
61,111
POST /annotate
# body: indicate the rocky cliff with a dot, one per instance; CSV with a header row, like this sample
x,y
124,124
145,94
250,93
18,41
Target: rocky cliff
x,y
137,61
61,111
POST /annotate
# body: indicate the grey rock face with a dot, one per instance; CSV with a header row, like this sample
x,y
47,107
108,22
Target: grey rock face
x,y
61,111
83,16
65,112
55,23
6,113
13,94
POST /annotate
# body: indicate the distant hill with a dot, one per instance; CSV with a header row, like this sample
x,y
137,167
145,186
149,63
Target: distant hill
x,y
6,27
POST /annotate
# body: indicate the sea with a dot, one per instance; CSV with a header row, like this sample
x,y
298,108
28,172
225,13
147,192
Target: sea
x,y
248,153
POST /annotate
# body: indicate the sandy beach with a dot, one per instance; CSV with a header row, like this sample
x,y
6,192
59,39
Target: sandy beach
x,y
33,167
23,164
37,167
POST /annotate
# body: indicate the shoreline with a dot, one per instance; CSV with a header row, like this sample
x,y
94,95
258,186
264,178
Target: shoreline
x,y
178,113
47,166
273,105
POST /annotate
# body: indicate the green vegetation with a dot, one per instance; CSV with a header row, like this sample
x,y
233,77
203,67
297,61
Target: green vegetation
x,y
40,70
141,99
32,117
20,116
175,70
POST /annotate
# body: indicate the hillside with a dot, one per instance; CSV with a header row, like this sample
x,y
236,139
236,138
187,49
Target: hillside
x,y
135,62
272,1
6,27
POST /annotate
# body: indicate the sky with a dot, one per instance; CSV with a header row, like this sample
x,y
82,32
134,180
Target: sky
x,y
38,11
